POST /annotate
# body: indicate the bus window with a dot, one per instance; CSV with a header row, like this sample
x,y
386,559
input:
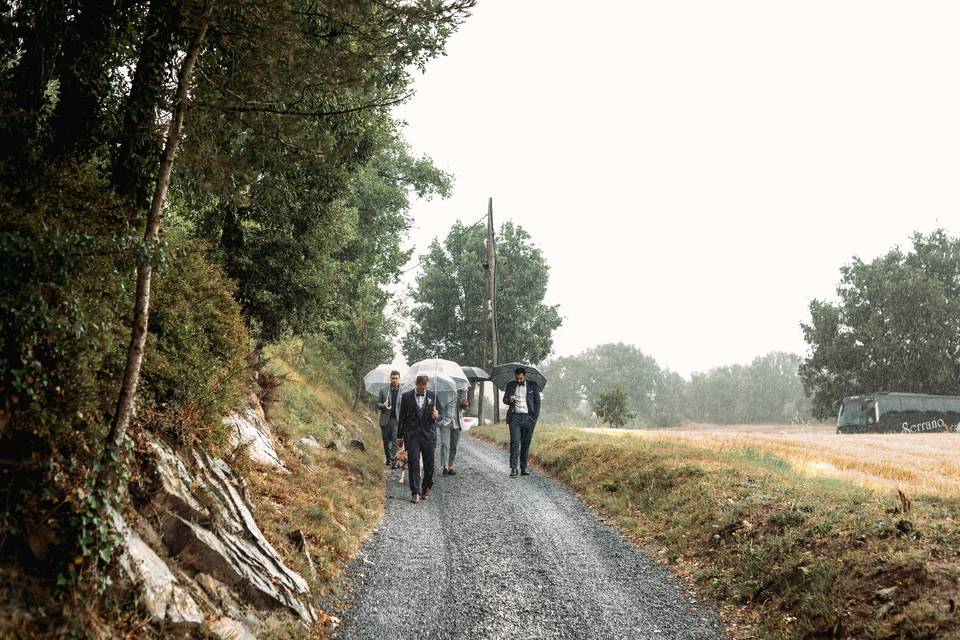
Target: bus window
x,y
888,404
910,404
851,413
870,411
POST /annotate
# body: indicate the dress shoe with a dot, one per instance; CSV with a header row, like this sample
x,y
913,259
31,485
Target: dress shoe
x,y
524,472
426,492
415,498
513,472
446,471
451,472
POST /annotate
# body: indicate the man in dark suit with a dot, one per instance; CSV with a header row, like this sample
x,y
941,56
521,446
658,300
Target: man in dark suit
x,y
388,401
419,418
522,396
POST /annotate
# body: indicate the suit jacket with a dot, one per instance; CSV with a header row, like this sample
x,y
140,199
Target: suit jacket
x,y
533,398
453,411
415,422
385,413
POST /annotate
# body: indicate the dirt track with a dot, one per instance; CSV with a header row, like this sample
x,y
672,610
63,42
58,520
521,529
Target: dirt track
x,y
487,556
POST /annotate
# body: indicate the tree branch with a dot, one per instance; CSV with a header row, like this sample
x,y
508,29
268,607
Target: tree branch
x,y
248,108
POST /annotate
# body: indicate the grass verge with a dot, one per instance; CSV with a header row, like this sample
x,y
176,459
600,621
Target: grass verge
x,y
786,555
332,497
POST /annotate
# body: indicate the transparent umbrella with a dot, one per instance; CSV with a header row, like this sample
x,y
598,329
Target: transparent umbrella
x,y
379,378
446,377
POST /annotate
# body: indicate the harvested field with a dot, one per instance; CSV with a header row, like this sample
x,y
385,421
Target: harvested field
x,y
919,464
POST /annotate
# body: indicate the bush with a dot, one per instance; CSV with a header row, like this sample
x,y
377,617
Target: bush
x,y
195,364
66,302
611,407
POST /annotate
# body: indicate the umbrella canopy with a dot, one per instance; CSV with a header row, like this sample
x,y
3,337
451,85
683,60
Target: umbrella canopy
x,y
503,373
446,377
379,378
475,373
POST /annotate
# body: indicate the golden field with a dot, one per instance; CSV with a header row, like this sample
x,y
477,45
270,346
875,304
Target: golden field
x,y
918,464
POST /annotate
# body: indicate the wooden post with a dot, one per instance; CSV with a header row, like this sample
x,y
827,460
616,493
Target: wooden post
x,y
485,317
492,256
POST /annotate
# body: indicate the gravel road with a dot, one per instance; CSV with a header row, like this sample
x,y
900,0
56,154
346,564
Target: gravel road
x,y
488,556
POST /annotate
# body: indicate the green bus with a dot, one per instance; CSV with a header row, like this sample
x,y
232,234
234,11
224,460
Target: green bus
x,y
887,412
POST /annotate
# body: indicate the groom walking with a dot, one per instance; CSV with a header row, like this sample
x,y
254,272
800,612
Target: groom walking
x,y
523,398
419,417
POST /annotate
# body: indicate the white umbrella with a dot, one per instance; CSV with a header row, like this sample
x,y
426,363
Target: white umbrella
x,y
446,377
379,378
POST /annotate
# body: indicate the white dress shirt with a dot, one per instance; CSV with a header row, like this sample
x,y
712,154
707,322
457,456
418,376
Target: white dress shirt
x,y
520,404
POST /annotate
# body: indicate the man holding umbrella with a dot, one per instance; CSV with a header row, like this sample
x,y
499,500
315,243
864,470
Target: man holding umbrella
x,y
419,417
522,396
389,404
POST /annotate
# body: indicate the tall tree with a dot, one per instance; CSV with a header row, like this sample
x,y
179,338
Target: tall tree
x,y
447,300
894,327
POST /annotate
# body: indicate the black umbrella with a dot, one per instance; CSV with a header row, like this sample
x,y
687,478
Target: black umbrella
x,y
475,374
503,373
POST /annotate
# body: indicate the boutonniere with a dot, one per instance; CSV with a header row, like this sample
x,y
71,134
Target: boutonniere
x,y
429,401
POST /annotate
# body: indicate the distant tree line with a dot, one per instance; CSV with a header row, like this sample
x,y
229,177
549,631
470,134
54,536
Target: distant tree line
x,y
619,381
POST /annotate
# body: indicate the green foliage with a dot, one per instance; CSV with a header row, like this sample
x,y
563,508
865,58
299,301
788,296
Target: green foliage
x,y
894,327
610,406
364,337
448,297
304,194
670,399
197,348
289,203
64,324
767,390
574,380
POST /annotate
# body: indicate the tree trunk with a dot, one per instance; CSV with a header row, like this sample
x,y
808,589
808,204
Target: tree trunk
x,y
356,397
138,144
141,312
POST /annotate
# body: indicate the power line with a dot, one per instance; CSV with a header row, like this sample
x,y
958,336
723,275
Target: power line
x,y
462,233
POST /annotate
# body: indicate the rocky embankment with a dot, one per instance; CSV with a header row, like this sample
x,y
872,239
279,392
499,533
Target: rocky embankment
x,y
192,547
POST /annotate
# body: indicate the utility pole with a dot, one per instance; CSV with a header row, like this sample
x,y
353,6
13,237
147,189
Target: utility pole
x,y
485,315
492,276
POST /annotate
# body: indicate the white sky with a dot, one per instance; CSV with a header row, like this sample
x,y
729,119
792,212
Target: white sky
x,y
696,171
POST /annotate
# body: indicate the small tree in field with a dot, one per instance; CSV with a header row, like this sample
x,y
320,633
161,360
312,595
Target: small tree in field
x,y
611,407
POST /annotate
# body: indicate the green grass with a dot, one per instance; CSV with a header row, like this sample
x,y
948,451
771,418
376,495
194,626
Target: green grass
x,y
787,555
333,497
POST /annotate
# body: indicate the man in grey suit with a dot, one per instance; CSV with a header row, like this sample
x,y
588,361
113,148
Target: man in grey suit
x,y
450,430
388,401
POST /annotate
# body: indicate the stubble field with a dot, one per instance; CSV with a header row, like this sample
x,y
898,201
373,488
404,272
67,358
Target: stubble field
x,y
918,464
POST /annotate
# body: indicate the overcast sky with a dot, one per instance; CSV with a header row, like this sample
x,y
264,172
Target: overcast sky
x,y
696,171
